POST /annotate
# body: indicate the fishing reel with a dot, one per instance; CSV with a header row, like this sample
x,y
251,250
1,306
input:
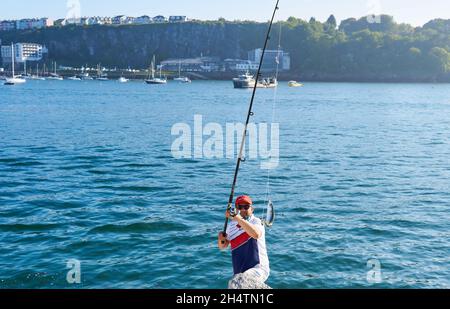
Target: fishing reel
x,y
233,212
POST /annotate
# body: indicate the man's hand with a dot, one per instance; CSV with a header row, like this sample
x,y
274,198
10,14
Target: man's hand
x,y
222,236
222,241
236,217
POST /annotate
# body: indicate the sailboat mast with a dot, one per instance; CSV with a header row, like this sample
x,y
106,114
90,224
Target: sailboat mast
x,y
12,59
153,67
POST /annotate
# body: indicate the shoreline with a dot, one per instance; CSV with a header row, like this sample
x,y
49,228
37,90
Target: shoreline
x,y
283,77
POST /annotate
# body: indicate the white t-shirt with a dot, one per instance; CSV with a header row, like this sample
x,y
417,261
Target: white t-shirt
x,y
246,251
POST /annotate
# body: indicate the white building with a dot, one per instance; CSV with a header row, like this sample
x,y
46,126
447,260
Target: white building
x,y
159,19
90,21
97,20
78,21
272,58
130,20
247,66
240,65
142,20
200,64
177,19
24,52
119,20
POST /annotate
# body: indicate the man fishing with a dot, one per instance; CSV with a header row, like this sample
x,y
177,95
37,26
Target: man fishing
x,y
246,235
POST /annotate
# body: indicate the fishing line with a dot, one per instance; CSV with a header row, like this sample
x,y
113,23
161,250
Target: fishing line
x,y
268,201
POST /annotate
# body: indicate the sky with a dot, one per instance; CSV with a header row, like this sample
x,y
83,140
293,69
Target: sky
x,y
414,12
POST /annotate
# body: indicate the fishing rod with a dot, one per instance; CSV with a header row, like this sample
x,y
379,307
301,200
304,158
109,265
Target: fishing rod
x,y
249,114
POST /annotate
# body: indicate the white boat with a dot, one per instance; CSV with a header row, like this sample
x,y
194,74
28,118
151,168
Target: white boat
x,y
268,83
182,79
76,78
25,76
37,77
248,81
13,80
156,81
100,75
152,80
123,80
294,83
86,76
244,81
54,76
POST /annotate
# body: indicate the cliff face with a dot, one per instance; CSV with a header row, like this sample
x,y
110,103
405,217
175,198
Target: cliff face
x,y
134,45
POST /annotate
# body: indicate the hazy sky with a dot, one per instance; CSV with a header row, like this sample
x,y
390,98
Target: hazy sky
x,y
415,12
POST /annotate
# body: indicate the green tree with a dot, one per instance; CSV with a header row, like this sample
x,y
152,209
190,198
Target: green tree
x,y
440,59
331,21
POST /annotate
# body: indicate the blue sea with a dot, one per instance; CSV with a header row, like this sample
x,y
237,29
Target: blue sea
x,y
87,174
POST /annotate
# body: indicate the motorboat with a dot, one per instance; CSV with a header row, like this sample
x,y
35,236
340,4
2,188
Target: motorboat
x,y
294,83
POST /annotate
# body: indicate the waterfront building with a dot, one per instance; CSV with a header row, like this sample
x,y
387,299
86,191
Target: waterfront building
x,y
24,52
272,58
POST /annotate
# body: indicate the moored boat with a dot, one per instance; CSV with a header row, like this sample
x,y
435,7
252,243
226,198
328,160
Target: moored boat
x,y
76,78
152,80
244,81
248,81
13,80
294,83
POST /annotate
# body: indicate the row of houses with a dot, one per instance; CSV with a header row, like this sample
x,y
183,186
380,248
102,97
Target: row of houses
x,y
120,20
25,24
38,23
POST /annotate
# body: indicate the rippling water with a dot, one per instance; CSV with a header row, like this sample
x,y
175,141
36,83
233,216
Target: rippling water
x,y
86,173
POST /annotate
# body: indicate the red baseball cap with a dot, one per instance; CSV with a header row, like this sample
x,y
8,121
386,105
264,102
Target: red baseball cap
x,y
244,200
